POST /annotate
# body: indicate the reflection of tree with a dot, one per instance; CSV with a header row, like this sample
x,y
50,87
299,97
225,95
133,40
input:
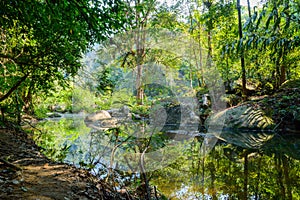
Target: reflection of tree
x,y
265,173
238,173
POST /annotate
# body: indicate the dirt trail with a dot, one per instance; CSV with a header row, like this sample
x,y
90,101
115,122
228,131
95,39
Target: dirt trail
x,y
27,174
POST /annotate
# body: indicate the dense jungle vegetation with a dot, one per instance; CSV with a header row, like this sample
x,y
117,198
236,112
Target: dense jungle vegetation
x,y
79,56
255,48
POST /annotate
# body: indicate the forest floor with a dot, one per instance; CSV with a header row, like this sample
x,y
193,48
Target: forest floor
x,y
27,174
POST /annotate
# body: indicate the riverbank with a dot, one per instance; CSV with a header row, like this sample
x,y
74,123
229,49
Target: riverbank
x,y
27,174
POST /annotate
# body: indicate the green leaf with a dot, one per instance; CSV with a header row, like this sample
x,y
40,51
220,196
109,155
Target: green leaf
x,y
268,20
276,25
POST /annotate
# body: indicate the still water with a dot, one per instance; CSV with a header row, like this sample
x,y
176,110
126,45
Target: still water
x,y
240,165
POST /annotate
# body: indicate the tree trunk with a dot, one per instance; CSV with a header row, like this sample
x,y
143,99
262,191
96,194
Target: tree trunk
x,y
282,74
139,87
244,90
258,180
285,48
280,176
245,191
209,53
27,100
285,164
2,114
203,176
277,74
200,62
18,108
140,38
209,36
139,61
147,189
249,8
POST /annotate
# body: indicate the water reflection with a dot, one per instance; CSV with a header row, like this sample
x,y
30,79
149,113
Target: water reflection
x,y
267,169
242,165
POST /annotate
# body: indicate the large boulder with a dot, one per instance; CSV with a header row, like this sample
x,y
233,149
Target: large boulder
x,y
99,115
103,120
241,117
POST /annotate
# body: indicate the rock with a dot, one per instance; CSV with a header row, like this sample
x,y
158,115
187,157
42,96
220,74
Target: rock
x,y
28,119
180,135
123,112
246,139
252,86
99,115
108,123
15,182
232,99
103,120
240,117
58,108
53,115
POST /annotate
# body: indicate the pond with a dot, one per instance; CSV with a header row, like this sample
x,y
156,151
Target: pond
x,y
237,165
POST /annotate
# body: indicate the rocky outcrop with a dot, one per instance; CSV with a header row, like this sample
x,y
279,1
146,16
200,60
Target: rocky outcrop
x,y
241,117
99,115
278,112
103,120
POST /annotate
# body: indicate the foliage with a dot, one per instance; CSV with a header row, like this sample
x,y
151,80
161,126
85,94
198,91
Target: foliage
x,y
44,104
273,30
56,137
83,100
44,45
107,79
43,41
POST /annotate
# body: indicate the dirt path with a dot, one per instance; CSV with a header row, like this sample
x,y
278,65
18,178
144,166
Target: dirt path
x,y
26,174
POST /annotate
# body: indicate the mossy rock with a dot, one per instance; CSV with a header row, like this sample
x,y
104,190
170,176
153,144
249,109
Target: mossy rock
x,y
241,117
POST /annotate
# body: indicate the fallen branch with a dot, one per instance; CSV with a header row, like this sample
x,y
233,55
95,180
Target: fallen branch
x,y
5,162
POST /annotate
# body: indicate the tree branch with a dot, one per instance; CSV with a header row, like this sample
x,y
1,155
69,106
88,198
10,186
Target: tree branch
x,y
14,87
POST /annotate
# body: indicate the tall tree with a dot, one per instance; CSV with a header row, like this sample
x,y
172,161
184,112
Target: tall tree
x,y
244,89
142,9
209,26
249,8
43,41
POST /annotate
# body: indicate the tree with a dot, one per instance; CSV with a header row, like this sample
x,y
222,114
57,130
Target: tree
x,y
274,30
43,41
142,10
244,90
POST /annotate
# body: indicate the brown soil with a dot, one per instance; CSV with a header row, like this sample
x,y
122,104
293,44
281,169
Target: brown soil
x,y
27,174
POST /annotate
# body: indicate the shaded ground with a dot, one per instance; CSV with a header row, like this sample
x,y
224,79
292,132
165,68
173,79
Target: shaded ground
x,y
26,174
